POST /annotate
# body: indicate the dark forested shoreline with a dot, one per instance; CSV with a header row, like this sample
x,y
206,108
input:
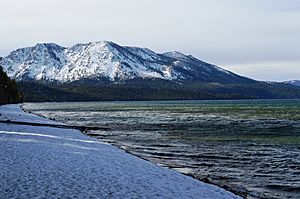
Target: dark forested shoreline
x,y
9,93
153,89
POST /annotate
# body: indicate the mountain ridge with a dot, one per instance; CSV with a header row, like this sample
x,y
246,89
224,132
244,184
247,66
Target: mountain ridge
x,y
293,82
106,59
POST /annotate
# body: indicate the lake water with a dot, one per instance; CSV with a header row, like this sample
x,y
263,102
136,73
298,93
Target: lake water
x,y
249,147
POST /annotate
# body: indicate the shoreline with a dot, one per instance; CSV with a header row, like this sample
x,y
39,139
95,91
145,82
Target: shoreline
x,y
90,129
176,184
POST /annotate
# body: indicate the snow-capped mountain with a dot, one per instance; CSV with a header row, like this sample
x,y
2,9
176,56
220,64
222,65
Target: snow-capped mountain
x,y
293,82
104,59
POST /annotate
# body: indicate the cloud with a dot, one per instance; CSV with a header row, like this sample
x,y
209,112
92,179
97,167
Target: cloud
x,y
231,32
3,26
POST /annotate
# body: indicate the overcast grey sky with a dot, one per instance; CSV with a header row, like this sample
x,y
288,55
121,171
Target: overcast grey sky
x,y
257,38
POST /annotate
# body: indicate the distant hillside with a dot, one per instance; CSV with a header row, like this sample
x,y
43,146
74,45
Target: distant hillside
x,y
293,82
153,89
8,89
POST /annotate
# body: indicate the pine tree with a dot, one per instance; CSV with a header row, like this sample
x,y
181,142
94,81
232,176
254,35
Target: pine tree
x,y
8,89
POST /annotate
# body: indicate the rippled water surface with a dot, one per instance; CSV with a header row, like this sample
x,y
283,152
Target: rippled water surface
x,y
249,147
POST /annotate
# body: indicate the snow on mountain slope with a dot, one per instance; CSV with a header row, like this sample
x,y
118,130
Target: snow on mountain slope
x,y
104,59
293,82
43,61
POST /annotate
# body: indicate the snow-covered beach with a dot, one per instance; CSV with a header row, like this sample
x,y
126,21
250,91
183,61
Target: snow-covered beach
x,y
48,162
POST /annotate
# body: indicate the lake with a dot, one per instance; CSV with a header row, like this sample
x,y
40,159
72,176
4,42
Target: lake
x,y
250,147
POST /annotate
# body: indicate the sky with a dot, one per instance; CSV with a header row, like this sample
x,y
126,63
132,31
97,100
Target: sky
x,y
255,38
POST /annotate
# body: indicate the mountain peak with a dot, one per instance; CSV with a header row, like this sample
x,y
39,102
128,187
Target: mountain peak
x,y
175,54
47,46
101,43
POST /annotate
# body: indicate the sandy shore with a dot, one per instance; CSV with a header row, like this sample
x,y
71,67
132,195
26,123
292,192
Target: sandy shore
x,y
41,161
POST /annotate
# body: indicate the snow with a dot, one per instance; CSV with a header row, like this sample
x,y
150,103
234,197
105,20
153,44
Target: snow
x,y
102,59
175,54
42,61
144,53
47,162
293,82
222,70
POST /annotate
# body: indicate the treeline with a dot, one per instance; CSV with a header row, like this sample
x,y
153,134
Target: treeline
x,y
9,93
154,89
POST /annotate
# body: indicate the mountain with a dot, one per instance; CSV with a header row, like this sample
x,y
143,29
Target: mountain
x,y
107,71
293,82
111,62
